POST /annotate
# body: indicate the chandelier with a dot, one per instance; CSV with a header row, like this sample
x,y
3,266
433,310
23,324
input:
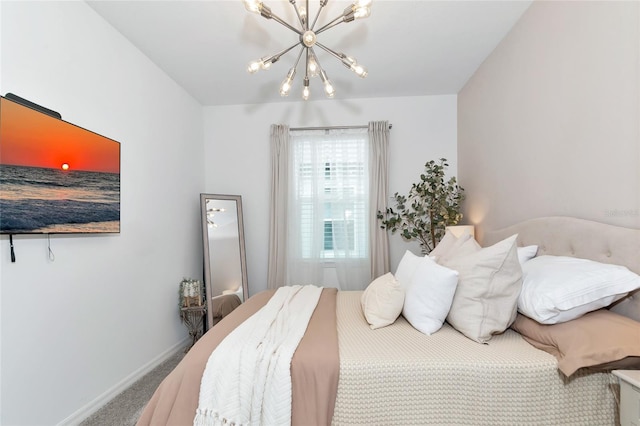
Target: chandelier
x,y
210,215
308,39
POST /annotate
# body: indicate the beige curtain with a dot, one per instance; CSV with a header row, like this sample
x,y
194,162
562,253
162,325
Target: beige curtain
x,y
378,189
278,206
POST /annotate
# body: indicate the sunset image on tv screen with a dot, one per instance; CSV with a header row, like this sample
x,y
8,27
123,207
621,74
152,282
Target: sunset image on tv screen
x,y
55,177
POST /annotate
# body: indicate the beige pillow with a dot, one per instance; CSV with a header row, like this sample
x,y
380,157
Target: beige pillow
x,y
462,247
599,340
489,282
382,301
448,244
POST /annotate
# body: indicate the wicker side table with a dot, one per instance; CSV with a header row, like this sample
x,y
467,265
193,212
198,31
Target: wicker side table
x,y
193,318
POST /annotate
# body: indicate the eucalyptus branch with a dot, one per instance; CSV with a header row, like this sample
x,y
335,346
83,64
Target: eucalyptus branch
x,y
431,205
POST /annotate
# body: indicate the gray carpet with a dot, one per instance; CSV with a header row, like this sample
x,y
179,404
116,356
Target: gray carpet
x,y
125,409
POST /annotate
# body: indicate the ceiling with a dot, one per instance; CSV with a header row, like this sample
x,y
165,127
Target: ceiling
x,y
410,48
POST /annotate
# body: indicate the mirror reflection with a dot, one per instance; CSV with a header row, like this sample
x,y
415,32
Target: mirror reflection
x,y
224,254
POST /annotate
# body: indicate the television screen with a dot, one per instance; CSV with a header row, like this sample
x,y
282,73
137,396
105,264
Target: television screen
x,y
55,177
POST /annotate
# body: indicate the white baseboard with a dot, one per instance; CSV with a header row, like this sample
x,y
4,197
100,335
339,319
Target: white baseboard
x,y
78,416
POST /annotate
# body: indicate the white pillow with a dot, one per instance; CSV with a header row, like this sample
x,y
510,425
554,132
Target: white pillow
x,y
556,289
382,301
406,268
485,301
526,253
428,296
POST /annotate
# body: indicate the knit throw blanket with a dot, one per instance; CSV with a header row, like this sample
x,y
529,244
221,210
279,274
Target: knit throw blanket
x,y
247,379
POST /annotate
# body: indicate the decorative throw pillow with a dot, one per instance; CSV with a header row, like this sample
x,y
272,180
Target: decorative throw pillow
x,y
406,268
526,253
600,339
559,288
489,281
448,243
460,248
382,301
628,306
428,296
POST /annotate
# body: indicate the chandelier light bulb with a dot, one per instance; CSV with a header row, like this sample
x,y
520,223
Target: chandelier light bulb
x,y
359,70
362,12
303,13
257,65
305,93
353,65
328,89
266,64
252,5
285,87
254,67
362,3
312,67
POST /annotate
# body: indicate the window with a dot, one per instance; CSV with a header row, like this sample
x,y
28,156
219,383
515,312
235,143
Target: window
x,y
330,193
327,186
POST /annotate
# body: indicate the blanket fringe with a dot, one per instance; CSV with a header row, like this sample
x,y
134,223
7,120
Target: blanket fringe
x,y
208,417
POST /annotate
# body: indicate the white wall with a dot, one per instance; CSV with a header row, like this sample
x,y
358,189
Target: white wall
x,y
238,162
74,328
550,122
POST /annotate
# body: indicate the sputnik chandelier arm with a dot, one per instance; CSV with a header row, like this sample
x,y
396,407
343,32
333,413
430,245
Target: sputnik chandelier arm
x,y
355,11
347,61
307,40
323,3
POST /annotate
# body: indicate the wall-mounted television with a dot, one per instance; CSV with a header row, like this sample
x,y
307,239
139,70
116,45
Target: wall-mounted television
x,y
55,177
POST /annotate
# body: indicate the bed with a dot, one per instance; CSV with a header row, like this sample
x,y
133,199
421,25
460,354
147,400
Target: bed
x,y
345,373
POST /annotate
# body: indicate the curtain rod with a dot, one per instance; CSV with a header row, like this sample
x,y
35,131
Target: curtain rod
x,y
334,127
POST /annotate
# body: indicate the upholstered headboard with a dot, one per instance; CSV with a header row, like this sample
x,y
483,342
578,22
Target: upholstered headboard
x,y
567,236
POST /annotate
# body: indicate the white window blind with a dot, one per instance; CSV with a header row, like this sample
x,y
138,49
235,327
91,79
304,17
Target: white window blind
x,y
329,195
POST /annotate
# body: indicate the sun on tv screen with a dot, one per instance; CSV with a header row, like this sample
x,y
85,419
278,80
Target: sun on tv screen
x,y
55,177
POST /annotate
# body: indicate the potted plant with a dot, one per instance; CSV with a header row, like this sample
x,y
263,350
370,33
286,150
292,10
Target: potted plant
x,y
432,204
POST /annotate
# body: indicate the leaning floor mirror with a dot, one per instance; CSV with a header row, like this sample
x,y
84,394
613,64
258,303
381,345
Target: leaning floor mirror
x,y
225,269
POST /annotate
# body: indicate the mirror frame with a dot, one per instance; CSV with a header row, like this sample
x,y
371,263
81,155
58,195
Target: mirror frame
x,y
205,240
